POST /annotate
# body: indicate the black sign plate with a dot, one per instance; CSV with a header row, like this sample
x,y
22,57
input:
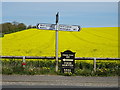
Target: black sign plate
x,y
67,61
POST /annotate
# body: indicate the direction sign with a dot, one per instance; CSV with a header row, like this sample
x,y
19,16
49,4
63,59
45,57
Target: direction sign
x,y
61,27
69,27
67,61
46,26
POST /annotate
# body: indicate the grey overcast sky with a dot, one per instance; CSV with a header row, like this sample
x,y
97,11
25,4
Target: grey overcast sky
x,y
85,14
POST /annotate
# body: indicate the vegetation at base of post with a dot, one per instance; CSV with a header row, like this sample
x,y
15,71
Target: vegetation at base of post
x,y
39,67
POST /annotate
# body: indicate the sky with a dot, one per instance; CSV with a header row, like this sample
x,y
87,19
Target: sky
x,y
85,14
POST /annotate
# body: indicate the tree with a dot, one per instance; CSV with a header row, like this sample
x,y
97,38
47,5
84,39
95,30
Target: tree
x,y
0,28
21,26
30,26
6,28
15,23
12,27
33,26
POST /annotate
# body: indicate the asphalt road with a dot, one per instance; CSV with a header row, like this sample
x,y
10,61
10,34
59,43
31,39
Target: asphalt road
x,y
53,81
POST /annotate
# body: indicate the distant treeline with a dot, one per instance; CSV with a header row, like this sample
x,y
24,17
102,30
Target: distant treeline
x,y
6,28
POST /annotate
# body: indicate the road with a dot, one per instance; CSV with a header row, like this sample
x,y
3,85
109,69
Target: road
x,y
54,81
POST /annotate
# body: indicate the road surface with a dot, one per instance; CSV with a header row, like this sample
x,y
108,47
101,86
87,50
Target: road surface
x,y
54,81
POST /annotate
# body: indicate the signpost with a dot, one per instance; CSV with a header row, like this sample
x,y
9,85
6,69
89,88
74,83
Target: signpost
x,y
46,26
61,27
57,27
56,49
67,61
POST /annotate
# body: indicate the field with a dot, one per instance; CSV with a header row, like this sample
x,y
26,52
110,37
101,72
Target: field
x,y
89,42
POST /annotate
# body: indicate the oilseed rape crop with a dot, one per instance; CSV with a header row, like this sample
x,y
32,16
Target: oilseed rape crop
x,y
89,42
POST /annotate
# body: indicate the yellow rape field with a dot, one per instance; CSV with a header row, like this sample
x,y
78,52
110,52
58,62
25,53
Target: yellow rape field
x,y
89,42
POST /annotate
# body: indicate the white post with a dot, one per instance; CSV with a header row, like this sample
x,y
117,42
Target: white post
x,y
95,64
24,61
56,46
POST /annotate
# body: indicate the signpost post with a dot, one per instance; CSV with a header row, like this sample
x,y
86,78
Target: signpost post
x,y
57,27
56,53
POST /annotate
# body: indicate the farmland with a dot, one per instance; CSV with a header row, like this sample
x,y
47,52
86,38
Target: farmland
x,y
89,42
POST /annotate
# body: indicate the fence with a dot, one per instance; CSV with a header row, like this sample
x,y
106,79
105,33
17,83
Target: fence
x,y
50,58
34,57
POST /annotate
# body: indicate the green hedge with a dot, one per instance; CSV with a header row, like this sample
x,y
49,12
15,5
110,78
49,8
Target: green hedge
x,y
38,67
